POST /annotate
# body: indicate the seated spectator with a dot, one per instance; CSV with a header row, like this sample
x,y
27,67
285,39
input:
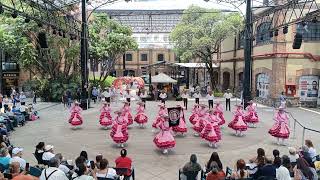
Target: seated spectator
x,y
48,154
293,155
62,167
17,157
276,158
304,171
191,166
14,169
53,172
240,170
81,173
268,170
106,172
4,159
124,162
39,152
305,155
283,173
2,176
99,157
24,177
312,151
260,159
216,173
20,118
85,155
3,144
214,158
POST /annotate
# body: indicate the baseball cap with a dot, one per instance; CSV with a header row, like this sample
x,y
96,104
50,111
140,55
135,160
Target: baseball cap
x,y
17,150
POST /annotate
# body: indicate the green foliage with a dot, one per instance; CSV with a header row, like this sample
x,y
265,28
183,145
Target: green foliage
x,y
106,83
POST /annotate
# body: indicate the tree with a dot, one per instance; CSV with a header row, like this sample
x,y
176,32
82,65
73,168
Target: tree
x,y
108,42
200,33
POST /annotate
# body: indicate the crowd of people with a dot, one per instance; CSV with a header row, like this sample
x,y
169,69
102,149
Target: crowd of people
x,y
297,164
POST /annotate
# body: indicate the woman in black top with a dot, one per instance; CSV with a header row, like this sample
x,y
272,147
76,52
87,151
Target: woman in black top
x,y
39,152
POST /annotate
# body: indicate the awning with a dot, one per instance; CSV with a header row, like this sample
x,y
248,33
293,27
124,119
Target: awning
x,y
194,65
162,78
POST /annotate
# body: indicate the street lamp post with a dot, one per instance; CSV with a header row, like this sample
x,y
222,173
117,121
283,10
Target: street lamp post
x,y
247,55
84,57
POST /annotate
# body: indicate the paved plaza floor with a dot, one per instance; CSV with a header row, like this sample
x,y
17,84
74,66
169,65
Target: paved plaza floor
x,y
150,163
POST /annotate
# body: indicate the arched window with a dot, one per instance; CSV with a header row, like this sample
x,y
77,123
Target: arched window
x,y
226,80
310,31
262,35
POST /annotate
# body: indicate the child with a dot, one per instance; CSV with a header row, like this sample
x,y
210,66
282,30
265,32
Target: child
x,y
238,123
105,115
164,140
218,111
126,113
141,118
162,111
251,116
75,117
182,127
119,132
280,129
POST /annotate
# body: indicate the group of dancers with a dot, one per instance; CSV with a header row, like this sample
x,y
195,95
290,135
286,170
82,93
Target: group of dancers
x,y
206,123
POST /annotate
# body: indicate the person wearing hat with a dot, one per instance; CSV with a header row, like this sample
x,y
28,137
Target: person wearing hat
x,y
184,96
280,128
228,95
141,118
164,140
251,116
195,114
182,127
119,132
105,115
75,117
17,157
218,112
48,153
197,96
210,98
238,124
126,113
162,111
293,156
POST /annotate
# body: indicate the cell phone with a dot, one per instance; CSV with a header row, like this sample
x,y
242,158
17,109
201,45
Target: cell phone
x,y
8,176
27,166
92,165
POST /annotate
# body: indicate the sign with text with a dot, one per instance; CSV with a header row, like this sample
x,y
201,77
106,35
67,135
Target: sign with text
x,y
308,88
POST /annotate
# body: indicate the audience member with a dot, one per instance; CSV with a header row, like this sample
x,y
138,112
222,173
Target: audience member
x,y
106,172
192,165
304,171
312,151
14,169
39,152
124,162
48,153
214,158
53,172
240,172
24,177
4,159
216,173
81,173
305,155
99,157
293,155
283,172
17,157
62,167
268,170
276,158
2,142
85,155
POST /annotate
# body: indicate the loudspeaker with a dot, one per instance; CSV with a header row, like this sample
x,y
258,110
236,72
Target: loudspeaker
x,y
297,41
42,39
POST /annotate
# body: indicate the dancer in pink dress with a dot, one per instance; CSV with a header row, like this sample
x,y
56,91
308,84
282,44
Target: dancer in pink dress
x,y
280,129
182,127
164,140
218,112
119,132
105,116
126,113
211,132
75,117
141,118
238,123
251,116
162,111
201,120
194,115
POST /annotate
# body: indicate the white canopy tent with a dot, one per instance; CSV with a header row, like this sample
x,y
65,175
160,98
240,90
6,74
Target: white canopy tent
x,y
194,65
162,78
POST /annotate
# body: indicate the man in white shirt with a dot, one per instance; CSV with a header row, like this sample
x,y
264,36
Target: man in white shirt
x,y
48,154
22,97
197,96
184,96
210,98
16,157
53,172
128,96
143,96
62,167
107,95
227,95
163,97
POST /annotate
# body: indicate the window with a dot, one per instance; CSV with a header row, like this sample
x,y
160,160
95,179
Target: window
x,y
128,57
310,32
156,38
263,35
165,38
160,57
93,65
241,40
143,57
143,39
